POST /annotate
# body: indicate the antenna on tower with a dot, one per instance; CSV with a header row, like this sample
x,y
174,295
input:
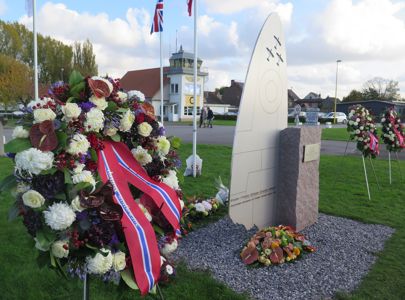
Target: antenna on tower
x,y
176,40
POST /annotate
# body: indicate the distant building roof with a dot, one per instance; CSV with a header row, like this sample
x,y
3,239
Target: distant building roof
x,y
147,81
233,94
313,95
292,95
213,98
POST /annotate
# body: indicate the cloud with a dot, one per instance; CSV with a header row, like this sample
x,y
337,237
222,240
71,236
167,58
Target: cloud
x,y
263,6
368,27
3,7
119,44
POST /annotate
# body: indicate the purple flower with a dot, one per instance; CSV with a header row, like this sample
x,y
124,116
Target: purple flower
x,y
86,106
162,131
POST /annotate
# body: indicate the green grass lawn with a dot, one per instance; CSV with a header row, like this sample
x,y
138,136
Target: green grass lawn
x,y
342,193
341,134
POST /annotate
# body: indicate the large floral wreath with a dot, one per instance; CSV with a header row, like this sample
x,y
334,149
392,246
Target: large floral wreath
x,y
75,153
392,131
362,129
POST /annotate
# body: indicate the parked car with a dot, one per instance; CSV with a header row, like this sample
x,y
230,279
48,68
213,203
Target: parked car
x,y
340,117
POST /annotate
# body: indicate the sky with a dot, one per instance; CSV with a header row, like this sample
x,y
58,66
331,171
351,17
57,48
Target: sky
x,y
367,35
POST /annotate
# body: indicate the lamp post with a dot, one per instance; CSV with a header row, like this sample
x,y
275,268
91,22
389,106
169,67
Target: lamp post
x,y
337,68
61,72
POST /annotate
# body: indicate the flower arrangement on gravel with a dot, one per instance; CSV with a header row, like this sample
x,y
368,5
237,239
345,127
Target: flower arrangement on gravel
x,y
275,245
362,129
75,154
392,131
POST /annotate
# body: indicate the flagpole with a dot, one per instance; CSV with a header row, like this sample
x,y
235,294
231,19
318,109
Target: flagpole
x,y
34,17
161,80
195,93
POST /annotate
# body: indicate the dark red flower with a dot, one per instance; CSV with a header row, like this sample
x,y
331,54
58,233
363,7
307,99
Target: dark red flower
x,y
43,136
95,142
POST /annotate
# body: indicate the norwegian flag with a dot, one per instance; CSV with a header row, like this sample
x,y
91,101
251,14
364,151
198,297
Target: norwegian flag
x,y
189,7
157,24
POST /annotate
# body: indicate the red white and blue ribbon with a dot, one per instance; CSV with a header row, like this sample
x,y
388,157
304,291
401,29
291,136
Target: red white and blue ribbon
x,y
374,144
117,165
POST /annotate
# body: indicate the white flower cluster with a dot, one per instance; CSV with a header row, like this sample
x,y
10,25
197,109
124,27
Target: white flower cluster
x,y
44,114
71,111
169,247
33,161
141,155
101,103
78,145
59,216
94,120
20,133
163,145
136,95
100,264
127,120
171,180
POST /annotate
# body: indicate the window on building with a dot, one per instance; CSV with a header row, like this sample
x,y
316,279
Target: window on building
x,y
172,88
176,88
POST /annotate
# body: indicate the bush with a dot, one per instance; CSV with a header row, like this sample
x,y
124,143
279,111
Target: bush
x,y
225,117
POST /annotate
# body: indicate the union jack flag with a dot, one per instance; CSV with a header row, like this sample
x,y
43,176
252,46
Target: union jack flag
x,y
189,6
157,24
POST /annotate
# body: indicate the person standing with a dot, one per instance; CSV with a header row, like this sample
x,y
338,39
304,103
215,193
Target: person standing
x,y
210,117
203,116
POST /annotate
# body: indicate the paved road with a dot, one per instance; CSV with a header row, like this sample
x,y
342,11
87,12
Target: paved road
x,y
223,135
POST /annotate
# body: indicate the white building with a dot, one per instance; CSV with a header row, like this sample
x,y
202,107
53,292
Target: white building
x,y
178,86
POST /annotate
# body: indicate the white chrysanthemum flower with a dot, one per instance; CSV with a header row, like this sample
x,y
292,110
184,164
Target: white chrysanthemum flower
x,y
126,121
84,176
78,144
99,264
60,249
145,212
207,205
76,206
78,168
163,145
199,207
110,86
101,103
123,96
171,180
169,270
141,155
33,161
94,120
44,114
169,247
71,111
144,129
20,133
33,199
59,216
119,262
137,95
40,102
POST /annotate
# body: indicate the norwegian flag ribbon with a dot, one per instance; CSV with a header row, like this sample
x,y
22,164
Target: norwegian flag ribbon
x,y
117,165
157,23
374,144
400,137
189,7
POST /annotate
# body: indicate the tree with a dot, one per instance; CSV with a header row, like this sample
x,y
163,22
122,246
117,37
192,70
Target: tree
x,y
84,60
15,81
353,96
381,89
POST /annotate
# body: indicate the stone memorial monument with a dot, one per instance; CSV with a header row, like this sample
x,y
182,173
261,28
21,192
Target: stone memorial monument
x,y
260,188
262,115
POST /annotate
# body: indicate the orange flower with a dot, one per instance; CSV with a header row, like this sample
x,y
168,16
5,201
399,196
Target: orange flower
x,y
297,251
